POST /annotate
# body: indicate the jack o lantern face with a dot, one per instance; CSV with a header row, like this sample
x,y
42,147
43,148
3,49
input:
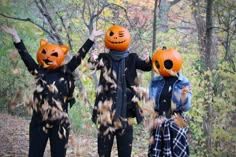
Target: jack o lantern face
x,y
51,56
166,62
117,38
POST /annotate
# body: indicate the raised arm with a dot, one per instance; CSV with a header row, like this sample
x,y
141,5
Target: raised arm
x,y
186,97
76,59
144,64
25,56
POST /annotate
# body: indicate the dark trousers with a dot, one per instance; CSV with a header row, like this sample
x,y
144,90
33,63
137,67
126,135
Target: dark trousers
x,y
124,138
38,141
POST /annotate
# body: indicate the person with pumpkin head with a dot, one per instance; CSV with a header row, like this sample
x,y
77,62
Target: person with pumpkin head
x,y
113,104
53,93
171,94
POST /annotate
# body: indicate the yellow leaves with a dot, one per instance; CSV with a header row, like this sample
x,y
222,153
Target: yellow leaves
x,y
117,124
109,130
135,99
61,132
105,110
99,89
142,92
45,129
131,121
13,54
171,72
179,121
151,140
106,76
61,79
173,106
153,122
4,2
15,99
106,117
39,88
28,104
148,108
45,106
15,71
45,110
52,88
58,104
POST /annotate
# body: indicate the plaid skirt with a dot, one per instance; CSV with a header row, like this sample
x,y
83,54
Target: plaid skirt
x,y
169,141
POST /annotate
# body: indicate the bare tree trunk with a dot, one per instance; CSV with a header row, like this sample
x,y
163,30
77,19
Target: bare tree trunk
x,y
206,39
198,15
164,8
211,56
94,13
208,58
154,26
210,62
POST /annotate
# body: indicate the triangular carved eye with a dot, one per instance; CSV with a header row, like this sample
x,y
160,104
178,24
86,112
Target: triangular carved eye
x,y
44,52
55,54
111,33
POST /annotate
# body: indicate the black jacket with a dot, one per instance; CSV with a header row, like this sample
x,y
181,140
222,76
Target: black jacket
x,y
53,87
132,63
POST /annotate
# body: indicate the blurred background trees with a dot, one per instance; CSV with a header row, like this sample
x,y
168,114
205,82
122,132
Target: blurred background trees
x,y
204,32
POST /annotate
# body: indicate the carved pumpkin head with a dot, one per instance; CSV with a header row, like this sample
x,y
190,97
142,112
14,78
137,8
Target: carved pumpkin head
x,y
166,62
117,38
51,56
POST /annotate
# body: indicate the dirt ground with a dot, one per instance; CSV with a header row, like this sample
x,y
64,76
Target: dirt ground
x,y
14,141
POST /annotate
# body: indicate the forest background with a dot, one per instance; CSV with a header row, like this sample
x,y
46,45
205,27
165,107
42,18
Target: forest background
x,y
203,31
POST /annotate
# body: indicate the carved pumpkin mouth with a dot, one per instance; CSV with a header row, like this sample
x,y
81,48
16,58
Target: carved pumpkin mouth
x,y
47,61
116,42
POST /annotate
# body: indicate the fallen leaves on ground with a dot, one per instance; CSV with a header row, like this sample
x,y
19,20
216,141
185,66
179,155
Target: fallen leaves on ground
x,y
14,137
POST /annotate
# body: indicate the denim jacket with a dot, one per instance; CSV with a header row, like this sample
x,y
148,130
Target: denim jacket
x,y
157,84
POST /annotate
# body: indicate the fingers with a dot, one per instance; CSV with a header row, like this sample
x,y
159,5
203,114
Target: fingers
x,y
3,27
7,29
145,56
186,89
97,33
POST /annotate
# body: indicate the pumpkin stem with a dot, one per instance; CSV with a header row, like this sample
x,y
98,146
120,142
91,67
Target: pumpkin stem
x,y
164,48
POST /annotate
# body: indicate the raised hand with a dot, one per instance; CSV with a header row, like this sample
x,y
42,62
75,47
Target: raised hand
x,y
146,56
184,92
10,31
95,33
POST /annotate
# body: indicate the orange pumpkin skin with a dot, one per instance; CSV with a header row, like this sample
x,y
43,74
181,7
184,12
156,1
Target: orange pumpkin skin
x,y
51,56
166,60
117,38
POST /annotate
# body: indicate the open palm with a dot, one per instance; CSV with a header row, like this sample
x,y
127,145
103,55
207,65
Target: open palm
x,y
8,30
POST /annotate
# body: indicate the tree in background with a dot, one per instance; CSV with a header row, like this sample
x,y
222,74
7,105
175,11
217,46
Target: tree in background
x,y
205,37
212,76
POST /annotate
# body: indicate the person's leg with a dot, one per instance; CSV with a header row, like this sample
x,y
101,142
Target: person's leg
x,y
37,140
58,141
105,143
124,139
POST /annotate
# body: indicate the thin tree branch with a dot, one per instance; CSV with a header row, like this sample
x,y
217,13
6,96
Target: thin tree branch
x,y
125,11
28,20
174,2
67,32
43,10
